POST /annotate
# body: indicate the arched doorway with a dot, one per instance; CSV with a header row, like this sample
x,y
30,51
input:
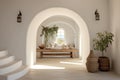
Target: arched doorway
x,y
42,16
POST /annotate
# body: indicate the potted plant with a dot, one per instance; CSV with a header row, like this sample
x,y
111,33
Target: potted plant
x,y
101,43
48,33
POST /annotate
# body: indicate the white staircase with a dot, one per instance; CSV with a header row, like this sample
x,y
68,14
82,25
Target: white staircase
x,y
10,68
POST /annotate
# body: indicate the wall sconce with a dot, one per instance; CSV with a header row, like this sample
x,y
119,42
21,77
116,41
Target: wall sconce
x,y
19,17
97,15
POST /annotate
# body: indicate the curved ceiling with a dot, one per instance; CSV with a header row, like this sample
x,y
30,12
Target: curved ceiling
x,y
61,20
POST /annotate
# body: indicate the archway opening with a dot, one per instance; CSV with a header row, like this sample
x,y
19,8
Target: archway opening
x,y
41,17
66,37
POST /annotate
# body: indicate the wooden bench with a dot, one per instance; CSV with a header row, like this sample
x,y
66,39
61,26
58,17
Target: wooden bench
x,y
71,52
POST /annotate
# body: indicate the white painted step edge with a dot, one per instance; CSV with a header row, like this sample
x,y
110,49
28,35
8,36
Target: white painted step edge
x,y
6,60
15,74
10,67
3,53
20,73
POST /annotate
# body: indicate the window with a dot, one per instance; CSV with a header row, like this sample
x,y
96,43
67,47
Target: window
x,y
60,39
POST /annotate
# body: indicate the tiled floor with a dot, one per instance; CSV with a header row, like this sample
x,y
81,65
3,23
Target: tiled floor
x,y
65,69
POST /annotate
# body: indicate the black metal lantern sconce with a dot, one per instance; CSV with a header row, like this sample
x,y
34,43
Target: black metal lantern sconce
x,y
19,17
97,15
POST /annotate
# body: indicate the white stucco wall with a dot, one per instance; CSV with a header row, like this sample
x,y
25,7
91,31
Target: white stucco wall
x,y
115,28
13,34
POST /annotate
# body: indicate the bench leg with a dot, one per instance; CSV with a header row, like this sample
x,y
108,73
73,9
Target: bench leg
x,y
71,55
41,54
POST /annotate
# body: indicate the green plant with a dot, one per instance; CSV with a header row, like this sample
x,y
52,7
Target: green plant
x,y
101,43
48,33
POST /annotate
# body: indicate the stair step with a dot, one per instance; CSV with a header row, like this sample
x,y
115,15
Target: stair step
x,y
15,74
18,73
10,67
3,57
3,53
6,60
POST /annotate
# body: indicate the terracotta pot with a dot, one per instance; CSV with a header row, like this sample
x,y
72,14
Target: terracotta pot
x,y
42,46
